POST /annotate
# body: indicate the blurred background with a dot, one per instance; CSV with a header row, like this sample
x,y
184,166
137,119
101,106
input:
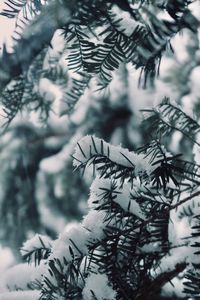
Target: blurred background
x,y
39,189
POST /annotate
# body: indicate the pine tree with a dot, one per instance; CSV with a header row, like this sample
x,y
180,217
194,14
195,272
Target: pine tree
x,y
128,245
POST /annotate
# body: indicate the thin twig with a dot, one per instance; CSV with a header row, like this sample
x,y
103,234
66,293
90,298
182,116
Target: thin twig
x,y
185,200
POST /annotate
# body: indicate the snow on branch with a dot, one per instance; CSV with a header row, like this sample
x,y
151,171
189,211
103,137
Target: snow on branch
x,y
98,285
37,248
124,196
76,240
112,158
20,277
71,243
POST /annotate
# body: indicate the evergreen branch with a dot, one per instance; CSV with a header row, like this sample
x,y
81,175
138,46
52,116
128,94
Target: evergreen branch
x,y
30,44
166,118
176,8
102,58
24,92
154,287
185,200
37,255
120,163
32,251
192,283
75,89
188,168
26,14
24,7
33,40
13,8
150,49
78,47
11,98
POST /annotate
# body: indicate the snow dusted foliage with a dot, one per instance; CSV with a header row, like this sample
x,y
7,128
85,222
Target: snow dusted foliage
x,y
142,227
38,247
98,285
140,233
21,282
72,242
90,148
95,222
124,196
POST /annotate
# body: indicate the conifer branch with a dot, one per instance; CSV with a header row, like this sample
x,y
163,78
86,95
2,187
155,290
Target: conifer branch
x,y
167,117
33,40
185,200
153,287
